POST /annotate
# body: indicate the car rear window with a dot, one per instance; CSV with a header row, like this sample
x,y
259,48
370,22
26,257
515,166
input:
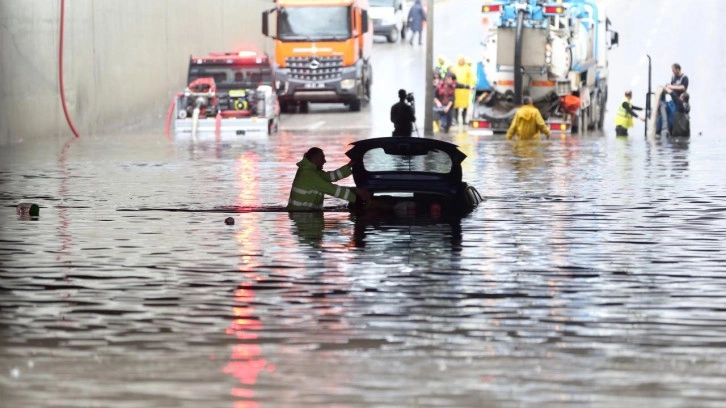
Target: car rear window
x,y
435,161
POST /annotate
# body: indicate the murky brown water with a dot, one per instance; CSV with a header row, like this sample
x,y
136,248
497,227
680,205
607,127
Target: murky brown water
x,y
592,275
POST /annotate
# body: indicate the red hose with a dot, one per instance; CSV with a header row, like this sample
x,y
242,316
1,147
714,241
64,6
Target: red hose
x,y
60,69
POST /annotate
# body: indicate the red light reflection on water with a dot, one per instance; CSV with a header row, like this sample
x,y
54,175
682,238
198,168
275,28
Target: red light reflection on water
x,y
248,183
246,362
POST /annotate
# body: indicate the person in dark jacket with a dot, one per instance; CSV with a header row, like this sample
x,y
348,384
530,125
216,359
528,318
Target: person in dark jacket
x,y
681,118
402,115
679,82
416,18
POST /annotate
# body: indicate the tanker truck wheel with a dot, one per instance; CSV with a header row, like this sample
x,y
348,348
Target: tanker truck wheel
x,y
603,102
354,105
304,107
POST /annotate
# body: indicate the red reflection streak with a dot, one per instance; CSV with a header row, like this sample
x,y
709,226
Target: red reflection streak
x,y
248,170
63,234
246,362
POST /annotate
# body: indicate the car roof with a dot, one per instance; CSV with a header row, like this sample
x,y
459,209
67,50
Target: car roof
x,y
406,180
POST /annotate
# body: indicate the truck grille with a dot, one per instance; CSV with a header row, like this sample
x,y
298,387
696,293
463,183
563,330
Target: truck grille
x,y
315,68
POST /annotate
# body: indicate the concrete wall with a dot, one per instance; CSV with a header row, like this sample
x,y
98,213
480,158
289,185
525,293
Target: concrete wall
x,y
123,59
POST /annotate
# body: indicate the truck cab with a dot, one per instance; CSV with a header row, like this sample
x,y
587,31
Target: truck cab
x,y
390,18
322,51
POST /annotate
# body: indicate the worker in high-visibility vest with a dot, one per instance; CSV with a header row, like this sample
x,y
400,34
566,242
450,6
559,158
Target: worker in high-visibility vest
x,y
624,115
311,183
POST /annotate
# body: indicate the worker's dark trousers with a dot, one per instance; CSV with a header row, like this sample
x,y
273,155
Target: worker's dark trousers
x,y
620,131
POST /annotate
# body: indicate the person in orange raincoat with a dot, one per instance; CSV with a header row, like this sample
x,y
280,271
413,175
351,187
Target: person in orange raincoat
x,y
528,122
465,81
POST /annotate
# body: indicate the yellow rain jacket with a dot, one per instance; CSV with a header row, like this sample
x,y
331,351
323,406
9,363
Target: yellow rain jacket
x,y
311,185
527,124
464,76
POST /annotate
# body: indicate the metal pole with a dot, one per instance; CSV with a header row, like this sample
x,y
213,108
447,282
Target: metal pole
x,y
647,99
429,95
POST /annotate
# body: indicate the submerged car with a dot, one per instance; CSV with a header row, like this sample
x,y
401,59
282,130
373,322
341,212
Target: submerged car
x,y
413,176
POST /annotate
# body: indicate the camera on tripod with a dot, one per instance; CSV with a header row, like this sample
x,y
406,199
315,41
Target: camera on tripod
x,y
409,98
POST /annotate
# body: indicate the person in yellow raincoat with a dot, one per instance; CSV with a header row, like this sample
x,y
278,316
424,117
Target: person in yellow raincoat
x,y
465,81
528,122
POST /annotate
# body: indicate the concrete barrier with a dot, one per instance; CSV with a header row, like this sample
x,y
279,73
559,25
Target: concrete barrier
x,y
123,59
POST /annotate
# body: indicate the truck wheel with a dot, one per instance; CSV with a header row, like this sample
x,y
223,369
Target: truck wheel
x,y
304,107
393,35
603,103
354,105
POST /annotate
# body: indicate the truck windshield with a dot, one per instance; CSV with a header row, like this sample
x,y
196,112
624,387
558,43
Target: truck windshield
x,y
314,23
232,76
381,3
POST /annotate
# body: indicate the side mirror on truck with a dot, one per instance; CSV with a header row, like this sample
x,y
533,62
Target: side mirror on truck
x,y
364,20
266,31
614,39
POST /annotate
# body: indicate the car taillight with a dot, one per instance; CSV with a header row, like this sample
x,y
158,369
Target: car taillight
x,y
554,9
559,127
491,8
480,124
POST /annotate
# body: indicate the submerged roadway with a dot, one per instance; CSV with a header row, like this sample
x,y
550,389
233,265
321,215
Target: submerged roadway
x,y
663,29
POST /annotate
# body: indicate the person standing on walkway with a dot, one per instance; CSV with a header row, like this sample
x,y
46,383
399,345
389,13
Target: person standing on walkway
x,y
465,81
444,102
416,18
442,66
624,115
403,114
528,122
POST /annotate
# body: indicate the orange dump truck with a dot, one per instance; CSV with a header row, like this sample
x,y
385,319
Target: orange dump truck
x,y
322,51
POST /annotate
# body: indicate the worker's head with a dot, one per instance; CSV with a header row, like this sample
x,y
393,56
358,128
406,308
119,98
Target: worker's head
x,y
685,96
316,156
461,59
401,94
676,68
629,94
441,60
449,79
527,100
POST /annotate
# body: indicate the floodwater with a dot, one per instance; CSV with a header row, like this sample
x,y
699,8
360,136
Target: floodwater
x,y
593,275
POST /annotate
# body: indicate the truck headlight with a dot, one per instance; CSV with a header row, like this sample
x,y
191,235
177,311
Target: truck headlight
x,y
347,83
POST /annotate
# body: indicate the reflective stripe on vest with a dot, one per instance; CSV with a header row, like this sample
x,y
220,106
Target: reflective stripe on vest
x,y
622,117
304,204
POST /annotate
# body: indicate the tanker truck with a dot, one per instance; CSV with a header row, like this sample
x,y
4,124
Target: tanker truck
x,y
555,52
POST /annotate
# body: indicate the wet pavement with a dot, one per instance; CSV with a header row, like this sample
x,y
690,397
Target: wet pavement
x,y
592,274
